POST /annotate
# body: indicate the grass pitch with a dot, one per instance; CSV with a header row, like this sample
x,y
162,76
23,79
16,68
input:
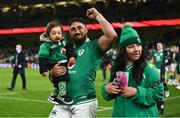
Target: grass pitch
x,y
33,101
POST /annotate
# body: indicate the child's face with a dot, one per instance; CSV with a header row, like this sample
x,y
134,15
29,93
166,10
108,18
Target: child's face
x,y
134,52
56,34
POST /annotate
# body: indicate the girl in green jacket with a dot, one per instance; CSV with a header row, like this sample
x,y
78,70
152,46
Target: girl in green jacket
x,y
137,93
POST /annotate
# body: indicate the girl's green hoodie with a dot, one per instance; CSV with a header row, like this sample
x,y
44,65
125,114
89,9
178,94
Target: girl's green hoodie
x,y
143,104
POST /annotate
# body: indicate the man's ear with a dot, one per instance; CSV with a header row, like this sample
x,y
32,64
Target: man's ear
x,y
86,30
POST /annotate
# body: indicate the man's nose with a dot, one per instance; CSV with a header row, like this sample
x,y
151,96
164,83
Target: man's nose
x,y
76,30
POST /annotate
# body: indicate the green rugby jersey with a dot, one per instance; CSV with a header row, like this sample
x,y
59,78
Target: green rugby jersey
x,y
158,59
53,51
82,76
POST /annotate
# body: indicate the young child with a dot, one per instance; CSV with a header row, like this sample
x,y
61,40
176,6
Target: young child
x,y
56,49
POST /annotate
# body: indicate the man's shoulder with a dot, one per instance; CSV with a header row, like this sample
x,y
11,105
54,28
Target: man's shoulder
x,y
91,42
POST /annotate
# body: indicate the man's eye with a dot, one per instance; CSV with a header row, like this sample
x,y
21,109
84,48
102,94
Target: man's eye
x,y
79,28
72,29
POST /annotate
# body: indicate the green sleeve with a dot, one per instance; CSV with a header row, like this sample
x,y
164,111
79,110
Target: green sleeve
x,y
148,95
105,95
44,50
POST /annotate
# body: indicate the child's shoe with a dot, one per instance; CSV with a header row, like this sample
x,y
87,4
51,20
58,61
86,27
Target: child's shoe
x,y
53,100
66,99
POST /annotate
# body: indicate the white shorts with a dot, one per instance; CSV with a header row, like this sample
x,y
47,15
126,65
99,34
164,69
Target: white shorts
x,y
85,110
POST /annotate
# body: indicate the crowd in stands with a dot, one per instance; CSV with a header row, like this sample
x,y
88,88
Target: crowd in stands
x,y
6,55
113,10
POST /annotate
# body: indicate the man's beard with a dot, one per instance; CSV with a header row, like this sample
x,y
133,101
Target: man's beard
x,y
80,41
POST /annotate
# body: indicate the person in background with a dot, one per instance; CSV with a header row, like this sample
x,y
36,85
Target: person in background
x,y
177,60
172,66
135,83
18,64
89,52
56,49
161,58
106,61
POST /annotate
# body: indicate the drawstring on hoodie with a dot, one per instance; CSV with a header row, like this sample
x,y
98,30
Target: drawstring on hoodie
x,y
59,42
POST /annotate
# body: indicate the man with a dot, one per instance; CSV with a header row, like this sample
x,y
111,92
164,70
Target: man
x,y
83,73
172,66
158,55
161,58
104,64
18,63
177,60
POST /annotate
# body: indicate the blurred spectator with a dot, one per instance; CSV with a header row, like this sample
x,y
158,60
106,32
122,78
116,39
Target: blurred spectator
x,y
18,64
172,65
177,59
105,64
30,54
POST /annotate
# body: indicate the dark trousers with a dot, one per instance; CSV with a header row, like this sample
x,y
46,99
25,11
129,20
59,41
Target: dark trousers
x,y
160,104
58,79
17,71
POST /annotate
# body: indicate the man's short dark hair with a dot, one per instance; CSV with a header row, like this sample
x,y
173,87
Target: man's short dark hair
x,y
81,20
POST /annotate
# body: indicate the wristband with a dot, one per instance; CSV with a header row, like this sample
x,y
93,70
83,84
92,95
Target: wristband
x,y
97,18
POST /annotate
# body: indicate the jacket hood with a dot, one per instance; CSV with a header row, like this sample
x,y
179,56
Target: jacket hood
x,y
44,38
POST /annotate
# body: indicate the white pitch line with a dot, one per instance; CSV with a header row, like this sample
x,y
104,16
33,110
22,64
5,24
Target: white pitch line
x,y
23,99
10,93
170,98
104,108
40,101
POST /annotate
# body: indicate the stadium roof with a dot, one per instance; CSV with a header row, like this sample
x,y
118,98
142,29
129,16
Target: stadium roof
x,y
150,23
28,13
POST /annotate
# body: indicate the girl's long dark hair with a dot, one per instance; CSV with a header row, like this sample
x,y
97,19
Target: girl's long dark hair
x,y
121,62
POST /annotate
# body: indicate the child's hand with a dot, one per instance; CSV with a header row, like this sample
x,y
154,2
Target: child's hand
x,y
112,89
72,61
128,91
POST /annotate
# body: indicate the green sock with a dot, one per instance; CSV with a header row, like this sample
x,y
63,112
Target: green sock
x,y
62,88
55,91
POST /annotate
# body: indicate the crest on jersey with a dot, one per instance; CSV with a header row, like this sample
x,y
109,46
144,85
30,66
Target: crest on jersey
x,y
63,51
80,52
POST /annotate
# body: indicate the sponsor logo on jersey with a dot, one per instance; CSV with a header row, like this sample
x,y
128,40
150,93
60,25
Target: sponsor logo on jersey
x,y
70,66
72,72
